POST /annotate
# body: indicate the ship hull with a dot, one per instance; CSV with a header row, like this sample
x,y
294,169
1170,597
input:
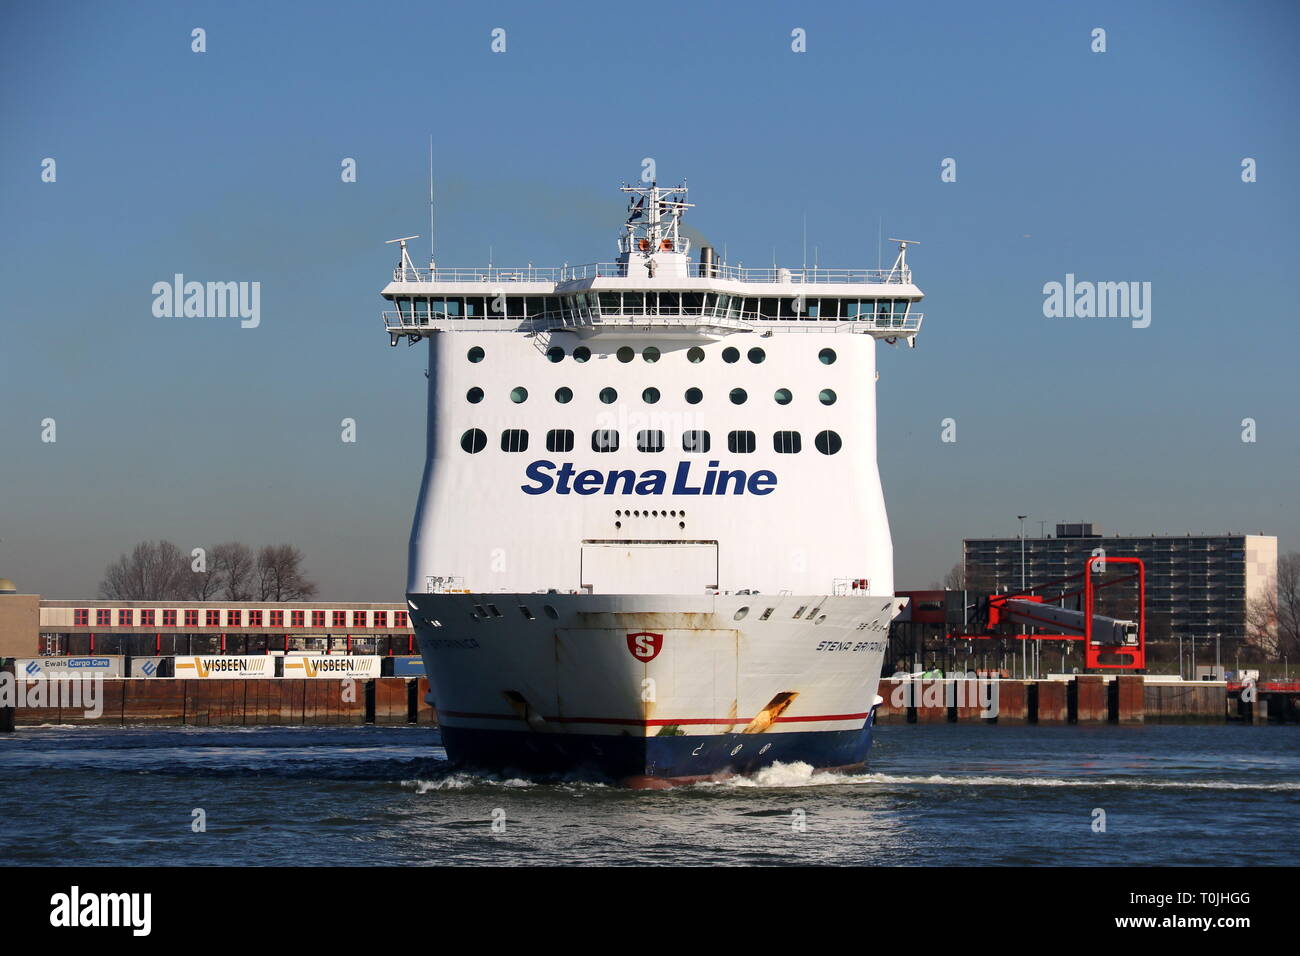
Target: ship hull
x,y
654,762
651,690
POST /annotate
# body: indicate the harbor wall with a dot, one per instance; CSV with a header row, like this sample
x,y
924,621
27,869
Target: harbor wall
x,y
1082,699
218,702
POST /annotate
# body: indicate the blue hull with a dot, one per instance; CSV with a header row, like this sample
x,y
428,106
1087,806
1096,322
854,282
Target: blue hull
x,y
651,761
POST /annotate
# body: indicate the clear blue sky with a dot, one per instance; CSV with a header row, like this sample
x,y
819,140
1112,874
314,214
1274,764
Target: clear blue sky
x,y
1123,165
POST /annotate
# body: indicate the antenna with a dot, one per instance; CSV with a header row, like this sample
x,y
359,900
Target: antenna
x,y
432,231
805,241
405,261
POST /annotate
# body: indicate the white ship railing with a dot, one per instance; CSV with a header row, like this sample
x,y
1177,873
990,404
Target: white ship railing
x,y
694,270
402,323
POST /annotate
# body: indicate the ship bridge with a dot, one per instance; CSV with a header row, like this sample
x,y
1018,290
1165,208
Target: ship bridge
x,y
653,287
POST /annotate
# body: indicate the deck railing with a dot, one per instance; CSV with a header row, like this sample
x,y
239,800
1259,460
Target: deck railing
x,y
694,270
402,323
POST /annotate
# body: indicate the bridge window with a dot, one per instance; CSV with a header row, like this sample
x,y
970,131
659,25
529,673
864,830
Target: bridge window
x,y
787,443
473,441
514,439
826,309
827,442
692,303
633,303
609,303
651,439
740,442
604,440
696,442
559,439
767,308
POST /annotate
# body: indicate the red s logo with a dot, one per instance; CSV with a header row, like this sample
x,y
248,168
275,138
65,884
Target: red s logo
x,y
645,646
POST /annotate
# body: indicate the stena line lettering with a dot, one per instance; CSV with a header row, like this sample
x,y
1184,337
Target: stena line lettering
x,y
564,479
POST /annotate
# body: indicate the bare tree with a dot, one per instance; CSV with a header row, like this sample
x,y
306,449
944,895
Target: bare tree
x,y
201,585
233,563
955,579
1273,618
153,571
280,576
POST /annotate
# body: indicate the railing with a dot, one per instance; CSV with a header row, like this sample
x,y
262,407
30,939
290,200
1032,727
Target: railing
x,y
694,270
902,325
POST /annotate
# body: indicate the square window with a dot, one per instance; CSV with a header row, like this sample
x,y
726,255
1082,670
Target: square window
x,y
340,619
81,617
358,618
254,618
169,617
399,619
381,619
317,618
214,618
103,617
234,618
191,618
277,619
297,618
125,617
146,617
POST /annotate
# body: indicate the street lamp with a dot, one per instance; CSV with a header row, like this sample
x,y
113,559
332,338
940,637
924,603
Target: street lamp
x,y
1024,651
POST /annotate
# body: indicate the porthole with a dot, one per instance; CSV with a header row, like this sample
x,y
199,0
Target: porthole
x,y
827,442
695,355
756,355
473,441
650,353
555,353
650,396
519,394
740,614
783,396
563,395
694,396
827,356
626,354
738,396
581,353
730,355
820,619
826,396
475,354
608,395
474,395
550,612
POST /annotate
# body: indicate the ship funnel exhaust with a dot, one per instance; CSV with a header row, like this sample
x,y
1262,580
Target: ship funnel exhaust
x,y
708,263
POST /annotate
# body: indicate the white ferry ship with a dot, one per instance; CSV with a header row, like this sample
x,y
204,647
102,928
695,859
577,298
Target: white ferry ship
x,y
651,539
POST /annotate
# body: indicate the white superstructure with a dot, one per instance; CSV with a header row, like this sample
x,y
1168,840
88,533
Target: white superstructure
x,y
651,510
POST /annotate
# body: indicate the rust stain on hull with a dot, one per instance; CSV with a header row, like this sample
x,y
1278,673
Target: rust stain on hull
x,y
774,709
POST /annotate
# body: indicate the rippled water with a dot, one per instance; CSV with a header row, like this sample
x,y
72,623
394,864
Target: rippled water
x,y
1216,795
